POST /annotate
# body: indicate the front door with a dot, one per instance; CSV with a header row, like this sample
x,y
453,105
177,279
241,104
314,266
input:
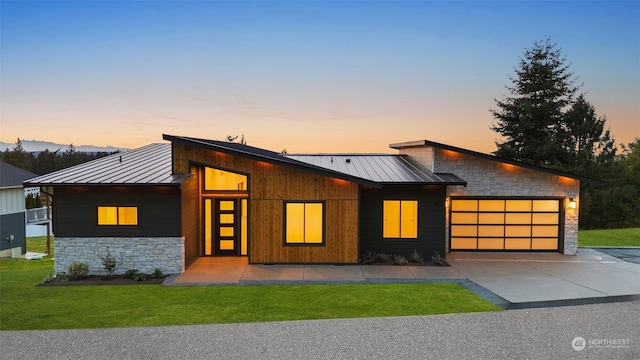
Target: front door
x,y
226,227
222,227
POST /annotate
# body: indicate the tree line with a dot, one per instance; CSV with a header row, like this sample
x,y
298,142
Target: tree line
x,y
545,121
46,161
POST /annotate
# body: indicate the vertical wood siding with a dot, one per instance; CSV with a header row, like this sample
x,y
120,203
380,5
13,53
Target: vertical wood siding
x,y
269,186
191,218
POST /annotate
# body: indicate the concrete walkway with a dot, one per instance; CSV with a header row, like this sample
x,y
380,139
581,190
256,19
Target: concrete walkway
x,y
516,278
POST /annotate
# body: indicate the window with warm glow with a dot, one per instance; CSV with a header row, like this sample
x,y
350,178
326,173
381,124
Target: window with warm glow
x,y
304,223
400,219
117,215
216,179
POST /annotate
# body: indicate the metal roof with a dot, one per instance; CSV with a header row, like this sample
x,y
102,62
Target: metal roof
x,y
267,156
423,143
12,176
380,168
148,165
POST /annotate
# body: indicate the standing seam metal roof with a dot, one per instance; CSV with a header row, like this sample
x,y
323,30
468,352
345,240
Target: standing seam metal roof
x,y
380,168
148,165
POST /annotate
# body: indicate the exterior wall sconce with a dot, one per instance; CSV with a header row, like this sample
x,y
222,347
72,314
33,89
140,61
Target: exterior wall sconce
x,y
572,203
446,203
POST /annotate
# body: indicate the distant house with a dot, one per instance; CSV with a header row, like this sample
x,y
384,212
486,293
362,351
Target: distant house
x,y
166,205
12,210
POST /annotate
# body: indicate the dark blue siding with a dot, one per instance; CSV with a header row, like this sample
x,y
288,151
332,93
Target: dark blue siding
x,y
13,224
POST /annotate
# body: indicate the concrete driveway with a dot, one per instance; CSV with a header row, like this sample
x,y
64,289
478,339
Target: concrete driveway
x,y
523,279
540,277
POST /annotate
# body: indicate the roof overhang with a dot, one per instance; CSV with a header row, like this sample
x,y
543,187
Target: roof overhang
x,y
423,143
257,154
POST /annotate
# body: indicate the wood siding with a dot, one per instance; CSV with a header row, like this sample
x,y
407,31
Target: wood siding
x,y
191,218
75,210
269,186
431,220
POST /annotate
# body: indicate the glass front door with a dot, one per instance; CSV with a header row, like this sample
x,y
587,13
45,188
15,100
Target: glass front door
x,y
225,227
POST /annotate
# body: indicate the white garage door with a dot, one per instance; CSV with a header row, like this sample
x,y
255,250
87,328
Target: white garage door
x,y
504,224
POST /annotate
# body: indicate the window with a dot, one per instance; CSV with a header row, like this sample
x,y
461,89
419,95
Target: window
x,y
117,215
400,219
304,223
216,180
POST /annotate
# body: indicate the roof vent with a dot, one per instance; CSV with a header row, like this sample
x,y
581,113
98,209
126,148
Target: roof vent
x,y
348,161
120,158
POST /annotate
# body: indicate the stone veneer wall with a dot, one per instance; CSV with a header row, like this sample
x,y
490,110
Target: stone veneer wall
x,y
144,254
492,178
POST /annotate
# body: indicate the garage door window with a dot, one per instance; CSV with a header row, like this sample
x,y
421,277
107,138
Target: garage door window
x,y
505,224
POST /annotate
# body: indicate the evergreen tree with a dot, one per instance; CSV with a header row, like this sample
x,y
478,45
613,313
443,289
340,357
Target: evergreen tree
x,y
532,117
18,157
583,139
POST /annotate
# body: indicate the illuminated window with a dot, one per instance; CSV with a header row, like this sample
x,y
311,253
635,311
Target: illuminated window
x,y
304,223
400,219
117,215
215,179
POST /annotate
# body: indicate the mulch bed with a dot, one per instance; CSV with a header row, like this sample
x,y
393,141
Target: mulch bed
x,y
104,280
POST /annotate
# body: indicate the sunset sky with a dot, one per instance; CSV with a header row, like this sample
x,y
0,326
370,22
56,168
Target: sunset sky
x,y
308,76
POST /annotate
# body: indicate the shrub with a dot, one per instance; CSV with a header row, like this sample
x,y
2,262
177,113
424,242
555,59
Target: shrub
x,y
369,258
439,260
139,277
57,277
129,274
108,263
157,273
384,257
78,271
399,260
416,257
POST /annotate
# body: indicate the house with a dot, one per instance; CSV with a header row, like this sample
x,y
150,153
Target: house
x,y
165,205
13,240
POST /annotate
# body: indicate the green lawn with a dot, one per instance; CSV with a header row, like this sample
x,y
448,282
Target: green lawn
x,y
23,305
609,237
38,244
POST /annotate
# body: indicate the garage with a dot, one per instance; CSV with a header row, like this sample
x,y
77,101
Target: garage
x,y
505,224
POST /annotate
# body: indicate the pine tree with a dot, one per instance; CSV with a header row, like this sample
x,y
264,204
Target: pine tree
x,y
531,119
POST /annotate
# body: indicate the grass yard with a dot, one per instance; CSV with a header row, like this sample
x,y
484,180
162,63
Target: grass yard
x,y
38,244
26,306
609,237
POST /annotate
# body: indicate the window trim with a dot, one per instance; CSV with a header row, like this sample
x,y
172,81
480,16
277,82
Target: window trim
x,y
284,222
204,190
117,207
417,223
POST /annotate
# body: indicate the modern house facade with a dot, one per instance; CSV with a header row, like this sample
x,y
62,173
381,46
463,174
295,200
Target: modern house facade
x,y
165,205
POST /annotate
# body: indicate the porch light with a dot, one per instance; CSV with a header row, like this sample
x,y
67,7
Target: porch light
x,y
572,203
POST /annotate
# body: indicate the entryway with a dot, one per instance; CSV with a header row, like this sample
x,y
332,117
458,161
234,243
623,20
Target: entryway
x,y
225,226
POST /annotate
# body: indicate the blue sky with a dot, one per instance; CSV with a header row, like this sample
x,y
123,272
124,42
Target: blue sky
x,y
308,76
